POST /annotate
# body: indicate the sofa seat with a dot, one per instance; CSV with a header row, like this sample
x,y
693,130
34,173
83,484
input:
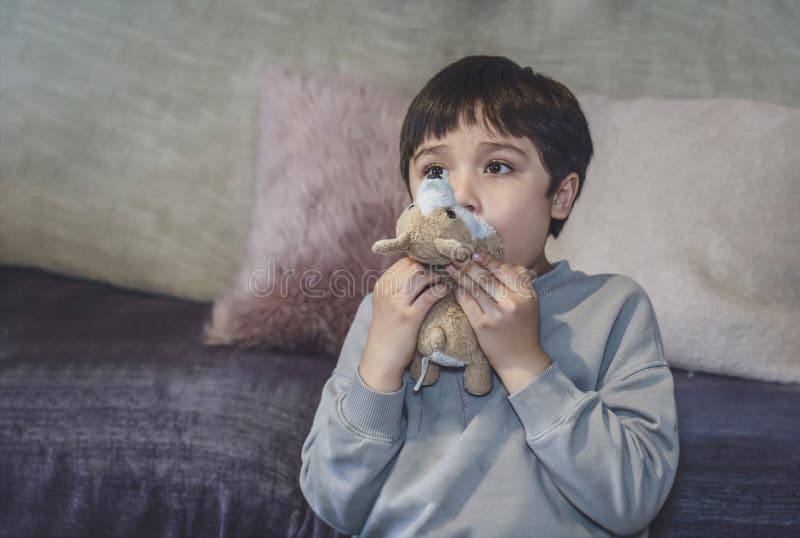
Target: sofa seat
x,y
116,421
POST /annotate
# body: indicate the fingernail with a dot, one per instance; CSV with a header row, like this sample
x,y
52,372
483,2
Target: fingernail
x,y
450,269
478,257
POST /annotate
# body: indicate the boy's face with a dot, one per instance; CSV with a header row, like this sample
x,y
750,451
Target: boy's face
x,y
504,187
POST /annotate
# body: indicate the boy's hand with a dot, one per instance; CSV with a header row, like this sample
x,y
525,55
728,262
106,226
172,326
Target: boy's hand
x,y
501,304
401,300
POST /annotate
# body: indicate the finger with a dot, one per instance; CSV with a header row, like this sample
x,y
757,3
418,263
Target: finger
x,y
484,287
520,279
483,280
468,304
431,296
499,270
515,278
473,290
393,279
524,281
419,281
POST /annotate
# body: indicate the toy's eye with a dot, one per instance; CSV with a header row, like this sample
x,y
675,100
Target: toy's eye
x,y
451,214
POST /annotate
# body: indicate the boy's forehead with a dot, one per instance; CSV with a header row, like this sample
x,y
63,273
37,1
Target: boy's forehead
x,y
474,136
480,128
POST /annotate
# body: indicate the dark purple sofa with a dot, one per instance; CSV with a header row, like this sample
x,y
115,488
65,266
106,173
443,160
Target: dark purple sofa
x,y
116,421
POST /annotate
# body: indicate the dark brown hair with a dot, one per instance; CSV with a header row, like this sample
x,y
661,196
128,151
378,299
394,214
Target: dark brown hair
x,y
513,101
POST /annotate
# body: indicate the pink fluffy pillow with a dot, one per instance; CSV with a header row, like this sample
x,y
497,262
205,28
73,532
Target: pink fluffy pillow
x,y
328,187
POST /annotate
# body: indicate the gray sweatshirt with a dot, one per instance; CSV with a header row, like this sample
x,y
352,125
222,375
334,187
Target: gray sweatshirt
x,y
588,448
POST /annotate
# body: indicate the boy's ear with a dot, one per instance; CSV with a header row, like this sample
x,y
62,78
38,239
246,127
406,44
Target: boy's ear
x,y
562,200
561,207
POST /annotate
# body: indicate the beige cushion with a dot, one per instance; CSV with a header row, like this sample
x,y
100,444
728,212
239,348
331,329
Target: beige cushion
x,y
698,201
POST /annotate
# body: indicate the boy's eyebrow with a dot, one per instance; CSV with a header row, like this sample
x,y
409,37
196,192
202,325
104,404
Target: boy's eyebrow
x,y
510,147
488,145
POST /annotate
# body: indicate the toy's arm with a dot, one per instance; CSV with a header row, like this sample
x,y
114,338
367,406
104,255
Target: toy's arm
x,y
613,452
385,246
355,436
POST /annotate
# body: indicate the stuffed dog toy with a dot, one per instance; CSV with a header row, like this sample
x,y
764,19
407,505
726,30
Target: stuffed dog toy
x,y
435,230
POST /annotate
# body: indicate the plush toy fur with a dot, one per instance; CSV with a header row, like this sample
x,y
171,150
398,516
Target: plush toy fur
x,y
434,230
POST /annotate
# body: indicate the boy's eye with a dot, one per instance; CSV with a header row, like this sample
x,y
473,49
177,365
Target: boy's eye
x,y
435,170
494,164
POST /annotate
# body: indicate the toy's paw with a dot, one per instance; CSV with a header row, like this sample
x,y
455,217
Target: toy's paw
x,y
433,339
453,250
463,252
416,367
478,378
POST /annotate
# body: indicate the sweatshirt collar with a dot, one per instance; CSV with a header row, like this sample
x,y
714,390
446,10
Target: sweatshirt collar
x,y
557,274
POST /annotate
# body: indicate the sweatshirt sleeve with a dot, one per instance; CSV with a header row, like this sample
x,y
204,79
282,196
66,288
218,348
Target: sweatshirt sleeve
x,y
354,438
613,452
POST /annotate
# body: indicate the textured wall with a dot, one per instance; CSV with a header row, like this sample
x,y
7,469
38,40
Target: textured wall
x,y
128,130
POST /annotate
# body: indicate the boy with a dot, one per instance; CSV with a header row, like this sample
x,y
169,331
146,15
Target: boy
x,y
578,436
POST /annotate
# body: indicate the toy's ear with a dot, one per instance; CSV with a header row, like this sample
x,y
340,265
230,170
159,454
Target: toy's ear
x,y
385,246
